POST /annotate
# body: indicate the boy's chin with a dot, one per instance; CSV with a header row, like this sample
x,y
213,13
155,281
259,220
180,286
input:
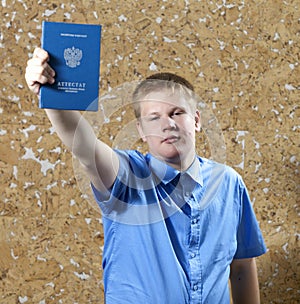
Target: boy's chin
x,y
173,159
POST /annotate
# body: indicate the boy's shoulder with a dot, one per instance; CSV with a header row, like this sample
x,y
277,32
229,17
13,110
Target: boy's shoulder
x,y
131,154
224,169
133,157
133,161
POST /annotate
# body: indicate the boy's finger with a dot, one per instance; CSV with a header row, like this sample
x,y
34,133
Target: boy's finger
x,y
37,74
33,77
49,71
41,54
35,64
35,87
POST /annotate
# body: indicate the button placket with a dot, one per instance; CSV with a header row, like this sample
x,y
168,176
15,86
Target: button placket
x,y
187,188
194,253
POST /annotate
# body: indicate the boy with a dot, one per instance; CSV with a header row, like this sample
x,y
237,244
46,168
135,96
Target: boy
x,y
177,226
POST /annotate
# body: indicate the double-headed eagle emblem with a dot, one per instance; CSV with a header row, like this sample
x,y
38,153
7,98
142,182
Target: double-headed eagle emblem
x,y
72,56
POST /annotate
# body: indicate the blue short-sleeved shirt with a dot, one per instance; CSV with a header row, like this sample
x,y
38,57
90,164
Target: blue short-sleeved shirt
x,y
171,236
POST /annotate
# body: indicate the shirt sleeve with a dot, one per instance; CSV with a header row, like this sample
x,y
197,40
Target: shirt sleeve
x,y
106,200
125,189
249,237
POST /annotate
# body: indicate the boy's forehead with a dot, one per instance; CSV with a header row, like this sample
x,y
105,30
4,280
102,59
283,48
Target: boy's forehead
x,y
165,97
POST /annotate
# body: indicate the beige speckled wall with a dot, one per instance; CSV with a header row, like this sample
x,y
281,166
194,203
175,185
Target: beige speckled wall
x,y
243,58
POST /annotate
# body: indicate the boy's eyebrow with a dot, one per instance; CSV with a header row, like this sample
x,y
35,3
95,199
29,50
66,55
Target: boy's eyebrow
x,y
171,110
152,113
178,108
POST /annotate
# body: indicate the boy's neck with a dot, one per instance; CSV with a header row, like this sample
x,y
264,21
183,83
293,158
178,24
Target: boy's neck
x,y
181,164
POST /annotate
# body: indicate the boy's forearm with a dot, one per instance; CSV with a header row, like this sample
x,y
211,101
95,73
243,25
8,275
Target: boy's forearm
x,y
74,131
244,282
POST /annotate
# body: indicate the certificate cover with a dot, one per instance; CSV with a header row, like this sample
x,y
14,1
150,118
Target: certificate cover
x,y
74,51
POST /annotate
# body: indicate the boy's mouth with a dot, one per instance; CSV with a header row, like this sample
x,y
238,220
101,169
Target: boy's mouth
x,y
171,139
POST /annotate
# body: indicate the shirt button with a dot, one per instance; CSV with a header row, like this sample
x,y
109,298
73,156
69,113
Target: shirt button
x,y
195,287
194,221
193,254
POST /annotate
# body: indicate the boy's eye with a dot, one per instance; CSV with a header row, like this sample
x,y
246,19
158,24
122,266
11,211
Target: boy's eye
x,y
151,118
179,112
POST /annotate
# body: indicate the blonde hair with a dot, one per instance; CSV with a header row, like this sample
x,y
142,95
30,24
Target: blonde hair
x,y
161,82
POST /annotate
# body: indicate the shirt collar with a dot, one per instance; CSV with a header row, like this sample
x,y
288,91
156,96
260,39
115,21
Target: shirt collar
x,y
167,173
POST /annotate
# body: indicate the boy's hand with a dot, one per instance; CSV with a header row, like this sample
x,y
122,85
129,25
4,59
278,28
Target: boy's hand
x,y
38,71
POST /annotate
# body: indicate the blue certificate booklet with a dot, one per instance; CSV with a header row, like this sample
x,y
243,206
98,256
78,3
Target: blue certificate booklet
x,y
74,51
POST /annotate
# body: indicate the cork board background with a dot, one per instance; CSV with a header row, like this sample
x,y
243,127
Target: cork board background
x,y
242,57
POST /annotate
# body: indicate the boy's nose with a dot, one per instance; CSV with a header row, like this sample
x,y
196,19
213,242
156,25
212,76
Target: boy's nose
x,y
168,124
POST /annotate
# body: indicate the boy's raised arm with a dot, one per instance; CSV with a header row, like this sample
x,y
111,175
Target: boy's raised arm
x,y
99,160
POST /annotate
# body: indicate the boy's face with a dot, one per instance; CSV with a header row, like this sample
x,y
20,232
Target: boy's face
x,y
168,125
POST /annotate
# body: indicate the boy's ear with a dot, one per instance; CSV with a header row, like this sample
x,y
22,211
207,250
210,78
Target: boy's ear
x,y
197,121
140,130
